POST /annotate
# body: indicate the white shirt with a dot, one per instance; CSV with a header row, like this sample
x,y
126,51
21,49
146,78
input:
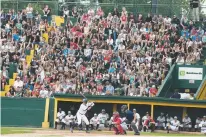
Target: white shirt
x,y
66,12
144,118
110,41
91,12
180,61
29,9
137,116
103,117
167,21
203,126
121,47
186,120
43,93
60,115
94,120
83,108
18,83
87,52
161,119
68,119
175,123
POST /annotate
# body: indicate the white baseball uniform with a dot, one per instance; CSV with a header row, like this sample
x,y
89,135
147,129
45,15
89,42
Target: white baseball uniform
x,y
197,123
68,119
161,121
103,118
124,124
94,121
82,111
175,125
186,122
137,122
203,126
60,116
168,120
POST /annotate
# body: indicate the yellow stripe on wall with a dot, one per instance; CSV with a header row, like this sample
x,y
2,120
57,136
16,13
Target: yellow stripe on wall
x,y
45,124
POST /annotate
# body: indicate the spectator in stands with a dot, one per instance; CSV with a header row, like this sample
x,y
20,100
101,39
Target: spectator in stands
x,y
18,85
133,54
11,92
43,92
29,14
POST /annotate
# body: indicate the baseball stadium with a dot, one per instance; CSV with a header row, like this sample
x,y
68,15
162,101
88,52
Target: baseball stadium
x,y
103,68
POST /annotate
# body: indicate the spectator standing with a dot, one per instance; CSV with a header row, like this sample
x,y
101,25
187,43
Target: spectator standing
x,y
29,14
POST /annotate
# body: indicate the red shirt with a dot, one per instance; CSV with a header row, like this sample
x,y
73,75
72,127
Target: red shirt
x,y
117,120
124,18
100,12
153,91
74,45
85,17
149,121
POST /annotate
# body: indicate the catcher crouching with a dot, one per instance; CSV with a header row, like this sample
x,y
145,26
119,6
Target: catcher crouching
x,y
117,124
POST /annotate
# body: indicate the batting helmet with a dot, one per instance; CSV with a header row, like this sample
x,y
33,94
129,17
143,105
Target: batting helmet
x,y
84,100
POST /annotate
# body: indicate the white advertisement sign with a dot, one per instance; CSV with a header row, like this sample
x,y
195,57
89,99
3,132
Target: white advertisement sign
x,y
190,73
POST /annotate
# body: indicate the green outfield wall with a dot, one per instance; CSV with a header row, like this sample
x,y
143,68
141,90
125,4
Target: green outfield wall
x,y
22,111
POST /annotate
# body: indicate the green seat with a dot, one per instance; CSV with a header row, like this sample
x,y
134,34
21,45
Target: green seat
x,y
12,69
27,52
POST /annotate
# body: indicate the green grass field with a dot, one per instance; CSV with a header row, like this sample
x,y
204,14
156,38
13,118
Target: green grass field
x,y
15,130
58,133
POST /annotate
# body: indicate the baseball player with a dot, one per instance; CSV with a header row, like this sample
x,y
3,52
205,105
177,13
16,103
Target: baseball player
x,y
94,122
174,126
84,107
68,120
203,125
136,119
145,117
60,115
168,120
197,123
149,124
117,124
103,118
160,121
186,122
129,115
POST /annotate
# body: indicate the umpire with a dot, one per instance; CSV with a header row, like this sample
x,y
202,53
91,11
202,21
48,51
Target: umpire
x,y
130,116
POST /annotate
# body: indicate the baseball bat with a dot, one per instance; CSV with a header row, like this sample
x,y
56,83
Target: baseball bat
x,y
83,95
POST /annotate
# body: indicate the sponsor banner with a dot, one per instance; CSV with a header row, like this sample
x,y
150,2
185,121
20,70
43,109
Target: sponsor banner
x,y
190,73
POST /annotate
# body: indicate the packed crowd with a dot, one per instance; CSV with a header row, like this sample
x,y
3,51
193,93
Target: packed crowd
x,y
115,54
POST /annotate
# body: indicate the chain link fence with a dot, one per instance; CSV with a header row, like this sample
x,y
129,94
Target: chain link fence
x,y
174,7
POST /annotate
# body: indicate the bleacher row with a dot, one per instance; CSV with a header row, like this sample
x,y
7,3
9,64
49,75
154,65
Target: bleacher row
x,y
13,71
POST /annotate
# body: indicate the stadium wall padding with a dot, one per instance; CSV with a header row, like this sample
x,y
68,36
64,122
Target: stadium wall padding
x,y
22,112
